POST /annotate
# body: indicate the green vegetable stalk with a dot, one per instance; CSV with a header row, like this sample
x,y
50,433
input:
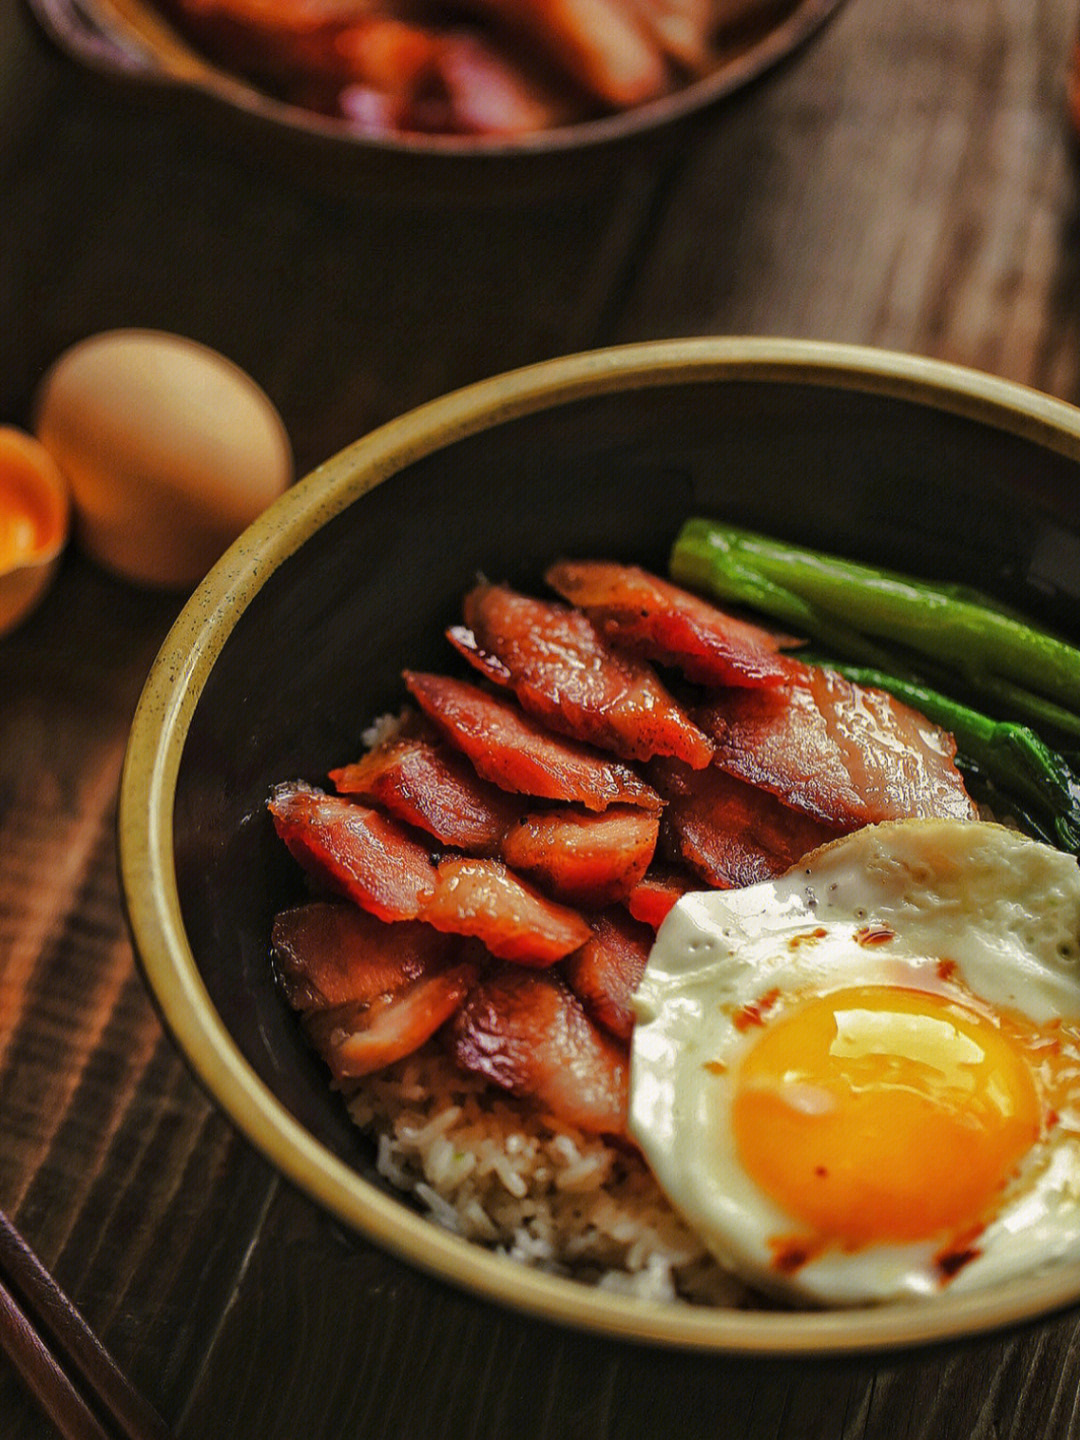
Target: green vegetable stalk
x,y
914,639
942,632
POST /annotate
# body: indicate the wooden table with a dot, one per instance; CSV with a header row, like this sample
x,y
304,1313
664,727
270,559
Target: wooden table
x,y
905,181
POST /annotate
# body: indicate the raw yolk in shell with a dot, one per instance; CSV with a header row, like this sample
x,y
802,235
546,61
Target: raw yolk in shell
x,y
26,523
878,1114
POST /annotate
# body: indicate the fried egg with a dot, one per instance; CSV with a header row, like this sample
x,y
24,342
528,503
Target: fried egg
x,y
861,1082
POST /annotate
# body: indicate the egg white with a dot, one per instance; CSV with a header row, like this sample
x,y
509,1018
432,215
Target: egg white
x,y
1000,908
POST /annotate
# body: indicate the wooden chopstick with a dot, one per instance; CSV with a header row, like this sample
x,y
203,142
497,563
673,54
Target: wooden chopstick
x,y
43,1375
60,1359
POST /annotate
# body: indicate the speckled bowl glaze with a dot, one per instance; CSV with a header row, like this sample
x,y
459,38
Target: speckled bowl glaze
x,y
299,634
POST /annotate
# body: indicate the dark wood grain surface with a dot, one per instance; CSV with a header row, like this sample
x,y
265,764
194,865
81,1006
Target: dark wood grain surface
x,y
905,181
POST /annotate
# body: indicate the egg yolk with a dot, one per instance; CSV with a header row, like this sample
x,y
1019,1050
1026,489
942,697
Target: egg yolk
x,y
24,521
876,1114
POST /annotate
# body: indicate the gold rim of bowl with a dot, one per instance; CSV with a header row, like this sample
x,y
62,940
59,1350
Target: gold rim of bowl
x,y
146,825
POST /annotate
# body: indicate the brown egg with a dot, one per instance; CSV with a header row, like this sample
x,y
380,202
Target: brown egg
x,y
169,448
34,515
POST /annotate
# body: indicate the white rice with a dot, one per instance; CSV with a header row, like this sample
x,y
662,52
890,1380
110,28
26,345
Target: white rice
x,y
529,1186
525,1184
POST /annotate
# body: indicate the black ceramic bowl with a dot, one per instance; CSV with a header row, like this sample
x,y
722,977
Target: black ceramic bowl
x,y
299,635
132,46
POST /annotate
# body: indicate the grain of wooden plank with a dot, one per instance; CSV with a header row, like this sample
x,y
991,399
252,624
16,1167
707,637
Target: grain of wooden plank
x,y
109,1148
89,1009
63,728
926,203
481,1366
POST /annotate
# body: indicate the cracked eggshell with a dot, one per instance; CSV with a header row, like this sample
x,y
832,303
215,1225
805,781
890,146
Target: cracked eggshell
x,y
34,522
169,448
